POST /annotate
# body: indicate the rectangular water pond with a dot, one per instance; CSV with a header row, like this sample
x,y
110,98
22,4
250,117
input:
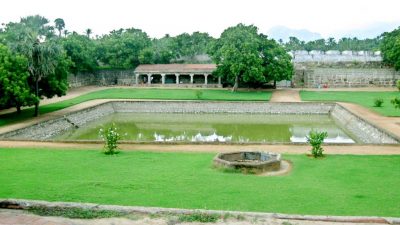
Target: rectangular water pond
x,y
211,127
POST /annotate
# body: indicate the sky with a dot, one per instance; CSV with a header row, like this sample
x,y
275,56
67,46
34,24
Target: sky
x,y
333,18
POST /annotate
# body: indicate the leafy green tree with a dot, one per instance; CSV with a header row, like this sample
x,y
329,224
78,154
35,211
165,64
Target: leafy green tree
x,y
390,48
60,25
14,88
121,48
237,55
82,52
32,37
88,32
243,55
277,62
187,45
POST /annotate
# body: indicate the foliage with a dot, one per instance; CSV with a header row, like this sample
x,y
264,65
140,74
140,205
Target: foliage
x,y
34,38
199,94
74,213
343,44
110,136
121,48
136,178
14,88
390,48
396,102
398,84
316,138
242,55
199,217
82,52
378,102
60,25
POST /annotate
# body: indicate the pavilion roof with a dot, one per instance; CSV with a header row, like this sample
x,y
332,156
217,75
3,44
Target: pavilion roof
x,y
175,68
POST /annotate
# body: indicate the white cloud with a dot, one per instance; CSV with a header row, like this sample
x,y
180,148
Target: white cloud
x,y
158,17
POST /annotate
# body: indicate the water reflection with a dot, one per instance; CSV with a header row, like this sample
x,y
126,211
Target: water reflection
x,y
236,128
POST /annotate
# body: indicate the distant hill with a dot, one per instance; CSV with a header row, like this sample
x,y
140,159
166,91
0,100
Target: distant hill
x,y
282,32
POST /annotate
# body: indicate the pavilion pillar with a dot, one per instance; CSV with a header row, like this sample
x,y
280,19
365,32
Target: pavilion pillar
x,y
205,78
149,78
163,78
137,78
219,82
191,78
177,78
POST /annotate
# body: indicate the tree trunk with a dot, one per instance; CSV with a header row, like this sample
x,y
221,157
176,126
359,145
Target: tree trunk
x,y
37,96
274,84
18,109
235,87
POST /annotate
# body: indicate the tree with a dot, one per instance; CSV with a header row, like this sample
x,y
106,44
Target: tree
x,y
60,25
121,48
82,52
236,54
33,38
277,62
14,88
243,55
390,48
88,32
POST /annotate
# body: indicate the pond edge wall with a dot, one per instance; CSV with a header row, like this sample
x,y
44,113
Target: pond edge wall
x,y
361,129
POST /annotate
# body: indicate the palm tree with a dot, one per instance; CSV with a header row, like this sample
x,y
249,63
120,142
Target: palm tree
x,y
88,32
60,25
66,33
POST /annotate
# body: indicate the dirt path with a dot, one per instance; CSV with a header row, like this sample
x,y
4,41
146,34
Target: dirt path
x,y
14,217
75,92
285,95
212,148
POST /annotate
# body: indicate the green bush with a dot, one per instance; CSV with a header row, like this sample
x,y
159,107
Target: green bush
x,y
378,102
110,137
315,139
74,213
199,94
199,217
396,102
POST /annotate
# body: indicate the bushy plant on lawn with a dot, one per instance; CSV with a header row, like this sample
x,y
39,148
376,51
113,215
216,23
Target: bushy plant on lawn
x,y
378,102
396,102
316,138
199,94
110,137
398,84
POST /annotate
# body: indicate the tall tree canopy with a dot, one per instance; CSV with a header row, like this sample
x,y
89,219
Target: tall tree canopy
x,y
60,25
82,52
14,87
121,48
390,48
33,38
243,55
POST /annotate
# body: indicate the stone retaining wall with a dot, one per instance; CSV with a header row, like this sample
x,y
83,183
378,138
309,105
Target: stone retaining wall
x,y
345,77
361,129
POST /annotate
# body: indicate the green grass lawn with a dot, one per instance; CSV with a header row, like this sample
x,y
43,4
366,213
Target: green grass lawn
x,y
362,98
135,93
335,185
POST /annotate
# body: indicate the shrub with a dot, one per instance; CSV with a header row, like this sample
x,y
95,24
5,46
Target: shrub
x,y
396,102
110,137
315,139
378,102
398,84
199,94
199,217
74,213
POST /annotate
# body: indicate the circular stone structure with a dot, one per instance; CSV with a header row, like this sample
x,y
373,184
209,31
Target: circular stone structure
x,y
249,161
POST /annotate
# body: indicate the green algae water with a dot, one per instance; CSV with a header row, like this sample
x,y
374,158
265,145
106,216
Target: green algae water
x,y
236,128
